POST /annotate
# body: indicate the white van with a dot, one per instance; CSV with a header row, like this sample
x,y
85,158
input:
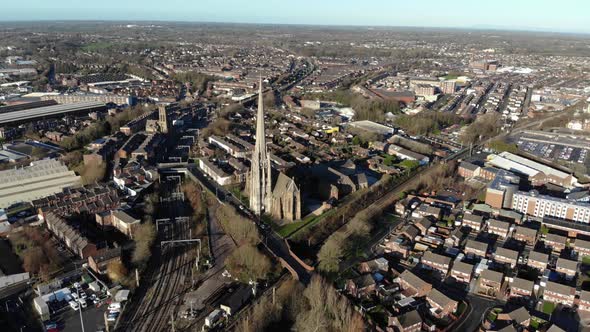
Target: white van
x,y
74,305
82,303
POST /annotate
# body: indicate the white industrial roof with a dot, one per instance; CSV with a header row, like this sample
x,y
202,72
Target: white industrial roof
x,y
510,165
534,165
46,111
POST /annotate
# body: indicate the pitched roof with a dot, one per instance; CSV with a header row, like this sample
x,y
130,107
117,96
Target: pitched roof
x,y
583,244
363,281
508,328
555,238
559,288
413,279
411,231
555,328
525,231
473,217
523,284
499,224
409,318
567,264
436,258
462,267
476,245
585,296
439,298
508,253
538,256
492,275
106,254
284,185
519,315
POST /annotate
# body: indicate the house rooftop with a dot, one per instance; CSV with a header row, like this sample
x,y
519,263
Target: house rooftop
x,y
555,238
522,284
409,319
525,231
507,253
473,218
499,224
567,264
436,258
472,244
560,289
462,267
582,244
439,298
492,276
538,256
413,279
520,315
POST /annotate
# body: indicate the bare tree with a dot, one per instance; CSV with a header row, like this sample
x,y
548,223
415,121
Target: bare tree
x,y
248,263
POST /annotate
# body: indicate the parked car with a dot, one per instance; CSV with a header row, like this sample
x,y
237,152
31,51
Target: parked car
x,y
112,316
115,306
83,303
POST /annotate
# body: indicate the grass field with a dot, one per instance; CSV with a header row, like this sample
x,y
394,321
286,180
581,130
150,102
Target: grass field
x,y
548,307
292,228
96,46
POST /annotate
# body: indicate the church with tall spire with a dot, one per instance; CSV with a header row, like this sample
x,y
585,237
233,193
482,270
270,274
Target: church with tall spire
x,y
260,186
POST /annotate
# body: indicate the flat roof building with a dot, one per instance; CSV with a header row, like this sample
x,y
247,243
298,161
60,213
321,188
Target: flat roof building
x,y
38,113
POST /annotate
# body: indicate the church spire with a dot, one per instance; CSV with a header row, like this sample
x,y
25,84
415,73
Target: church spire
x,y
260,176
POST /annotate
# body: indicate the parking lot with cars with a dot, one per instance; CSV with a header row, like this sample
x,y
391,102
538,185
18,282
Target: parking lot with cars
x,y
84,303
554,151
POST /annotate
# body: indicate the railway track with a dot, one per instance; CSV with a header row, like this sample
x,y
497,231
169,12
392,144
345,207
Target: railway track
x,y
151,310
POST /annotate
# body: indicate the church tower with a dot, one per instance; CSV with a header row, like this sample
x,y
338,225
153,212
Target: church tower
x,y
260,177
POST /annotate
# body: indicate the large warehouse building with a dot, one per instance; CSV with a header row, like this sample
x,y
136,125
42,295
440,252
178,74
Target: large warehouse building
x,y
40,179
39,113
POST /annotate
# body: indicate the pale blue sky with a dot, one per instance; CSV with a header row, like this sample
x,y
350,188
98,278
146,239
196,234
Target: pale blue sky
x,y
562,15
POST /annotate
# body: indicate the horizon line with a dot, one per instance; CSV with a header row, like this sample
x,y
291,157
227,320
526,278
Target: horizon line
x,y
474,28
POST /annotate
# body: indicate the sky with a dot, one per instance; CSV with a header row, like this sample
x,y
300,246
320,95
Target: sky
x,y
545,15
